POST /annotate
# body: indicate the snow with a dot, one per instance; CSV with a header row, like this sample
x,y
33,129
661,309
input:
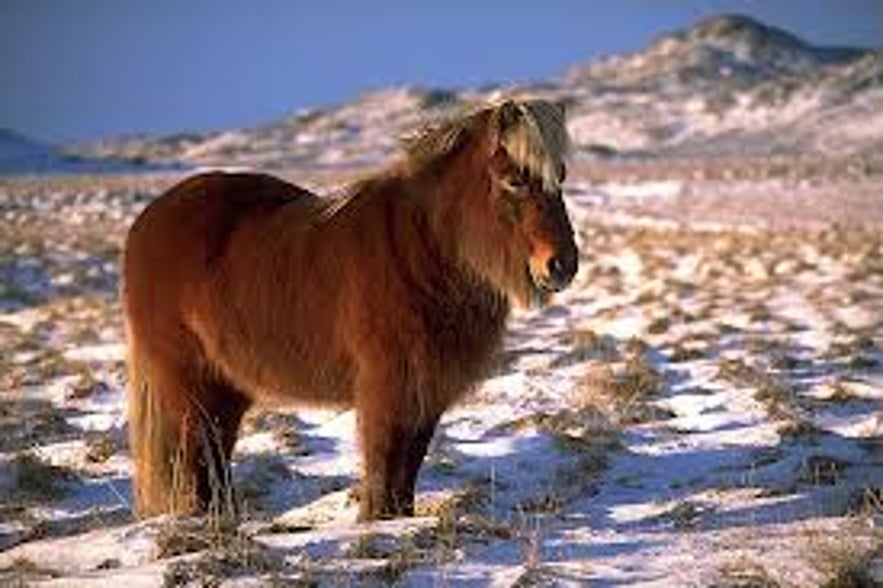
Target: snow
x,y
643,190
97,353
561,490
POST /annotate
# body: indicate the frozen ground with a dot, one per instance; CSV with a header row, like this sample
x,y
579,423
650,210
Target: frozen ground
x,y
701,408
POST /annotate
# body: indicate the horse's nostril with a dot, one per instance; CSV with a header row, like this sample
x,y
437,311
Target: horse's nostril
x,y
556,268
561,268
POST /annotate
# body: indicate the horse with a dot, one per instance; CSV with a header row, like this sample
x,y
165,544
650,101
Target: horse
x,y
392,299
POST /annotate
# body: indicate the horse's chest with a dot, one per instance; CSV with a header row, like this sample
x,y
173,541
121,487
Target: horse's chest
x,y
464,336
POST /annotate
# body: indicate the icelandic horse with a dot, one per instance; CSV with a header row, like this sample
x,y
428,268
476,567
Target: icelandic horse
x,y
392,299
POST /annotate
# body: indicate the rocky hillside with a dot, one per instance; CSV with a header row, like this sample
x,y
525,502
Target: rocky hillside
x,y
728,86
733,86
23,155
20,154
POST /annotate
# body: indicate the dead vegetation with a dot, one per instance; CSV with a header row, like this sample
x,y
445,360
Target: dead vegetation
x,y
34,480
24,572
843,563
744,574
622,391
784,324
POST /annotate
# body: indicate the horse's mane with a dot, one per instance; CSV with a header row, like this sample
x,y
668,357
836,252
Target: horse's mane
x,y
537,139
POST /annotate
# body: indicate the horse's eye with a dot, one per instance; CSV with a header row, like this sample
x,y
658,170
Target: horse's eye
x,y
518,181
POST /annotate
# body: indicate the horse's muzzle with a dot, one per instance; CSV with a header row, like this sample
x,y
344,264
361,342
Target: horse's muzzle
x,y
558,273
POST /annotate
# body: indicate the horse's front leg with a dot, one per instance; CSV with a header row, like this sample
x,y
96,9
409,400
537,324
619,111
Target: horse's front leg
x,y
394,436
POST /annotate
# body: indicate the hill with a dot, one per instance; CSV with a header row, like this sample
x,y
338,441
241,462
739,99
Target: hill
x,y
728,86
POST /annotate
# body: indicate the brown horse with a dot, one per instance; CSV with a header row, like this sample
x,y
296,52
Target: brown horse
x,y
241,288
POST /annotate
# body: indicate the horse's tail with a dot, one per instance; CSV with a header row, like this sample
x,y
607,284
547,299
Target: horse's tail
x,y
162,482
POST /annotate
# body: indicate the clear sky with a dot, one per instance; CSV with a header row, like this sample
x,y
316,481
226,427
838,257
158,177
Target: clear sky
x,y
83,69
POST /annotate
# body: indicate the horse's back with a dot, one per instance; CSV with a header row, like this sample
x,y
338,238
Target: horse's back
x,y
180,236
207,208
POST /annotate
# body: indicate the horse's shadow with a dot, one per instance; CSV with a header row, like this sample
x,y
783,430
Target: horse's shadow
x,y
642,499
822,475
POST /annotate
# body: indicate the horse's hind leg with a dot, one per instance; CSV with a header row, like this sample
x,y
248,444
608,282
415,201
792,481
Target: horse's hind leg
x,y
183,424
221,412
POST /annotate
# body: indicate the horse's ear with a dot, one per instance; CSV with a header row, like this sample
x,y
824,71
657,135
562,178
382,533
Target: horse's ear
x,y
560,108
504,118
508,114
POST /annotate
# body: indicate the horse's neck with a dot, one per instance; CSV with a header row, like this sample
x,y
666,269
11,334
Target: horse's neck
x,y
448,198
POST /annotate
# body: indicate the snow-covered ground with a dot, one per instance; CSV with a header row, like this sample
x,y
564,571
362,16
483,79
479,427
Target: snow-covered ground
x,y
701,407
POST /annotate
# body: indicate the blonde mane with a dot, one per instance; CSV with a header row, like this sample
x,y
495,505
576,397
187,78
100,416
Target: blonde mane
x,y
438,138
536,140
539,141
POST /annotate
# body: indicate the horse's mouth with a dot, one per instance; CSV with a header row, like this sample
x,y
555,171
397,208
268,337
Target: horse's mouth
x,y
550,276
546,285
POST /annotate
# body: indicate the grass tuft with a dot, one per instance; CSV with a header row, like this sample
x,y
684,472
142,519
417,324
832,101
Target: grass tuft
x,y
36,480
744,574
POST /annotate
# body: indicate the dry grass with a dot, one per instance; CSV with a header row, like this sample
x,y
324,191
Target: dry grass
x,y
840,391
586,438
691,316
462,519
26,423
744,574
224,552
178,536
264,471
587,345
843,564
35,480
24,572
659,326
393,556
773,392
822,470
100,447
798,428
867,502
683,351
471,498
685,515
622,391
222,557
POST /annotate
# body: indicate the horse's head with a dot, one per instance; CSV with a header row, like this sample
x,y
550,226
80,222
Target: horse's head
x,y
527,143
504,166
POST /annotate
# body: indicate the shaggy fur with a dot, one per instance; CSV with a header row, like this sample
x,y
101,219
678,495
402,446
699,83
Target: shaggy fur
x,y
241,288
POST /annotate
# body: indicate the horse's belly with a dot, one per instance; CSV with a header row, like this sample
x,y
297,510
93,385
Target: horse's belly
x,y
265,369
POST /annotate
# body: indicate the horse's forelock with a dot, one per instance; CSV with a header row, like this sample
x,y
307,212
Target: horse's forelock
x,y
533,133
537,140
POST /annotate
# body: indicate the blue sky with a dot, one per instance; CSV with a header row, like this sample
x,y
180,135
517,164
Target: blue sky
x,y
83,69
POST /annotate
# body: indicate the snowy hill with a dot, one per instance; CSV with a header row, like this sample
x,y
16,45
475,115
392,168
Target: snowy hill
x,y
22,155
19,152
729,47
364,131
726,86
733,86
